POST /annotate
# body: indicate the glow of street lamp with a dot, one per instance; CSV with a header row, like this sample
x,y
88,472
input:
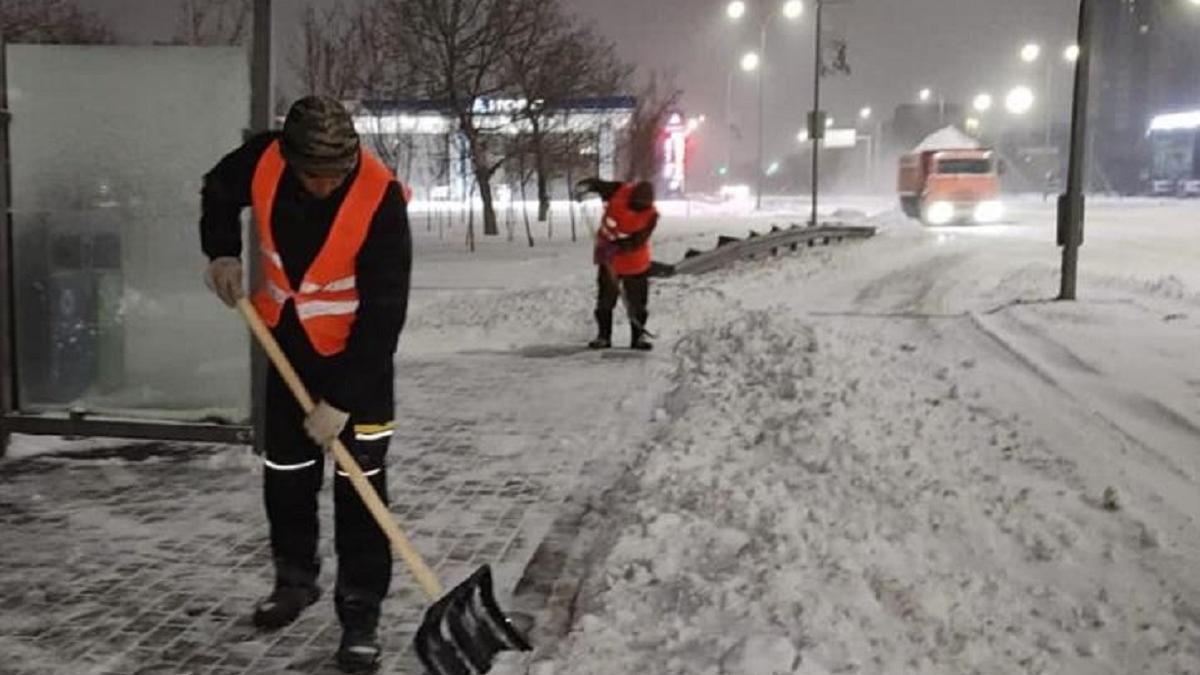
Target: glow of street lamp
x,y
972,124
865,113
925,94
792,9
1030,52
1019,101
736,9
802,136
982,103
828,122
750,62
1071,53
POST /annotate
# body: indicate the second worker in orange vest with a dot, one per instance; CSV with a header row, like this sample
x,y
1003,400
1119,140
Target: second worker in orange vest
x,y
336,257
622,256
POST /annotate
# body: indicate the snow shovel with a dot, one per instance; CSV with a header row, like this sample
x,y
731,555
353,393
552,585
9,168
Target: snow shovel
x,y
462,632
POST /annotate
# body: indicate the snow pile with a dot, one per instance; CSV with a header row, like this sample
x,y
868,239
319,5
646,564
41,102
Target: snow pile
x,y
818,501
948,138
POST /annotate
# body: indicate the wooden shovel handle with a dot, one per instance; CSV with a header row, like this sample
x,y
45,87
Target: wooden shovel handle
x,y
416,564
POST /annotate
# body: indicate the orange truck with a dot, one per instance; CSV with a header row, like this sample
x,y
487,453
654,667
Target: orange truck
x,y
955,185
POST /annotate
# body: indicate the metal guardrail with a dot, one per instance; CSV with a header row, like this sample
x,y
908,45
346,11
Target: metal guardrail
x,y
732,249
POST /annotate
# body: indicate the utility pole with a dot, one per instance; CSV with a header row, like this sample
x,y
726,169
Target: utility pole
x,y
1071,203
762,70
816,121
729,121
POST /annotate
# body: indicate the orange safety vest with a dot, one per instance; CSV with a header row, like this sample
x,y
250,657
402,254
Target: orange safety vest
x,y
620,221
328,298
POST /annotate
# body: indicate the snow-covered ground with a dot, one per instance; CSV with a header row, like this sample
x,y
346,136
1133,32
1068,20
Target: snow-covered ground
x,y
901,457
890,456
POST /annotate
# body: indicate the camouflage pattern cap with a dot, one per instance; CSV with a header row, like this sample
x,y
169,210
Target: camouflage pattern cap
x,y
319,137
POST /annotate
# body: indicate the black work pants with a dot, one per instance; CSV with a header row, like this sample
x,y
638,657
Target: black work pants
x,y
292,479
637,294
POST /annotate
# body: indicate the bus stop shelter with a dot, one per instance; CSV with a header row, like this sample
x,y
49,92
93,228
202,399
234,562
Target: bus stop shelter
x,y
106,328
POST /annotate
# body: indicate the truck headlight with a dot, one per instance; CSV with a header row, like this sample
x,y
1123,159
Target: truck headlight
x,y
939,213
989,212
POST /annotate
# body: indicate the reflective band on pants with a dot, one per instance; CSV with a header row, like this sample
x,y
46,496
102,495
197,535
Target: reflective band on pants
x,y
289,467
372,472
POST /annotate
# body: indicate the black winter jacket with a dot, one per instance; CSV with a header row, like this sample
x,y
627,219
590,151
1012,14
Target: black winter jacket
x,y
360,379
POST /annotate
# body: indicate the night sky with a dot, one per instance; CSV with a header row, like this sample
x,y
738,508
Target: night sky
x,y
957,47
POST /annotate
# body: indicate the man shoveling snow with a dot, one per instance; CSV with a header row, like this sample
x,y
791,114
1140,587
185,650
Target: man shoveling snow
x,y
622,256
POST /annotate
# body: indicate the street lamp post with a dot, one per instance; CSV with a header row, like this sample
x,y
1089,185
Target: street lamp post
x,y
1070,203
926,94
758,185
729,121
1031,53
792,10
817,132
873,141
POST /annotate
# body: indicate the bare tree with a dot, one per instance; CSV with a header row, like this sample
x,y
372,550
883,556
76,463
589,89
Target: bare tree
x,y
654,103
455,49
212,23
561,62
52,21
328,59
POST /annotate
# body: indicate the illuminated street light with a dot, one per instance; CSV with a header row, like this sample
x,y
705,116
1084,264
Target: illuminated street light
x,y
865,113
736,9
982,103
1071,53
792,9
802,136
1030,52
750,62
1019,100
828,122
972,124
925,94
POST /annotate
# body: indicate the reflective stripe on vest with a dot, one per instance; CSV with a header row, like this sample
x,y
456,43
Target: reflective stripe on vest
x,y
328,297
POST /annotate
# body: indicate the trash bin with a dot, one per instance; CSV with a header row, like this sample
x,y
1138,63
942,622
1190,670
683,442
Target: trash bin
x,y
70,336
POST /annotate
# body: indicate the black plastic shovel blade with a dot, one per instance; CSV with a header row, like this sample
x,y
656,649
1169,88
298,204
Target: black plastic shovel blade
x,y
464,630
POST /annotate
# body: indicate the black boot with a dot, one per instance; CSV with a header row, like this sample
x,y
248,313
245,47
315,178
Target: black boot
x,y
359,651
284,606
638,341
604,331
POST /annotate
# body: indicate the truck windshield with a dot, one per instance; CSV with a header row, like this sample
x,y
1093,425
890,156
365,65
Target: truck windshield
x,y
964,166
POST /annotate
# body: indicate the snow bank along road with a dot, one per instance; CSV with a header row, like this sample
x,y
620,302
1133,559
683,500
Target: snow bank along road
x,y
900,457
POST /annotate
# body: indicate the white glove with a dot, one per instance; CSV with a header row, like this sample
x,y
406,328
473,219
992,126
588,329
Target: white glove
x,y
224,277
325,423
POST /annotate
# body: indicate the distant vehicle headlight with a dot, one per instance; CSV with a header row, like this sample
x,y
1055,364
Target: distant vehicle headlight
x,y
989,212
939,213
